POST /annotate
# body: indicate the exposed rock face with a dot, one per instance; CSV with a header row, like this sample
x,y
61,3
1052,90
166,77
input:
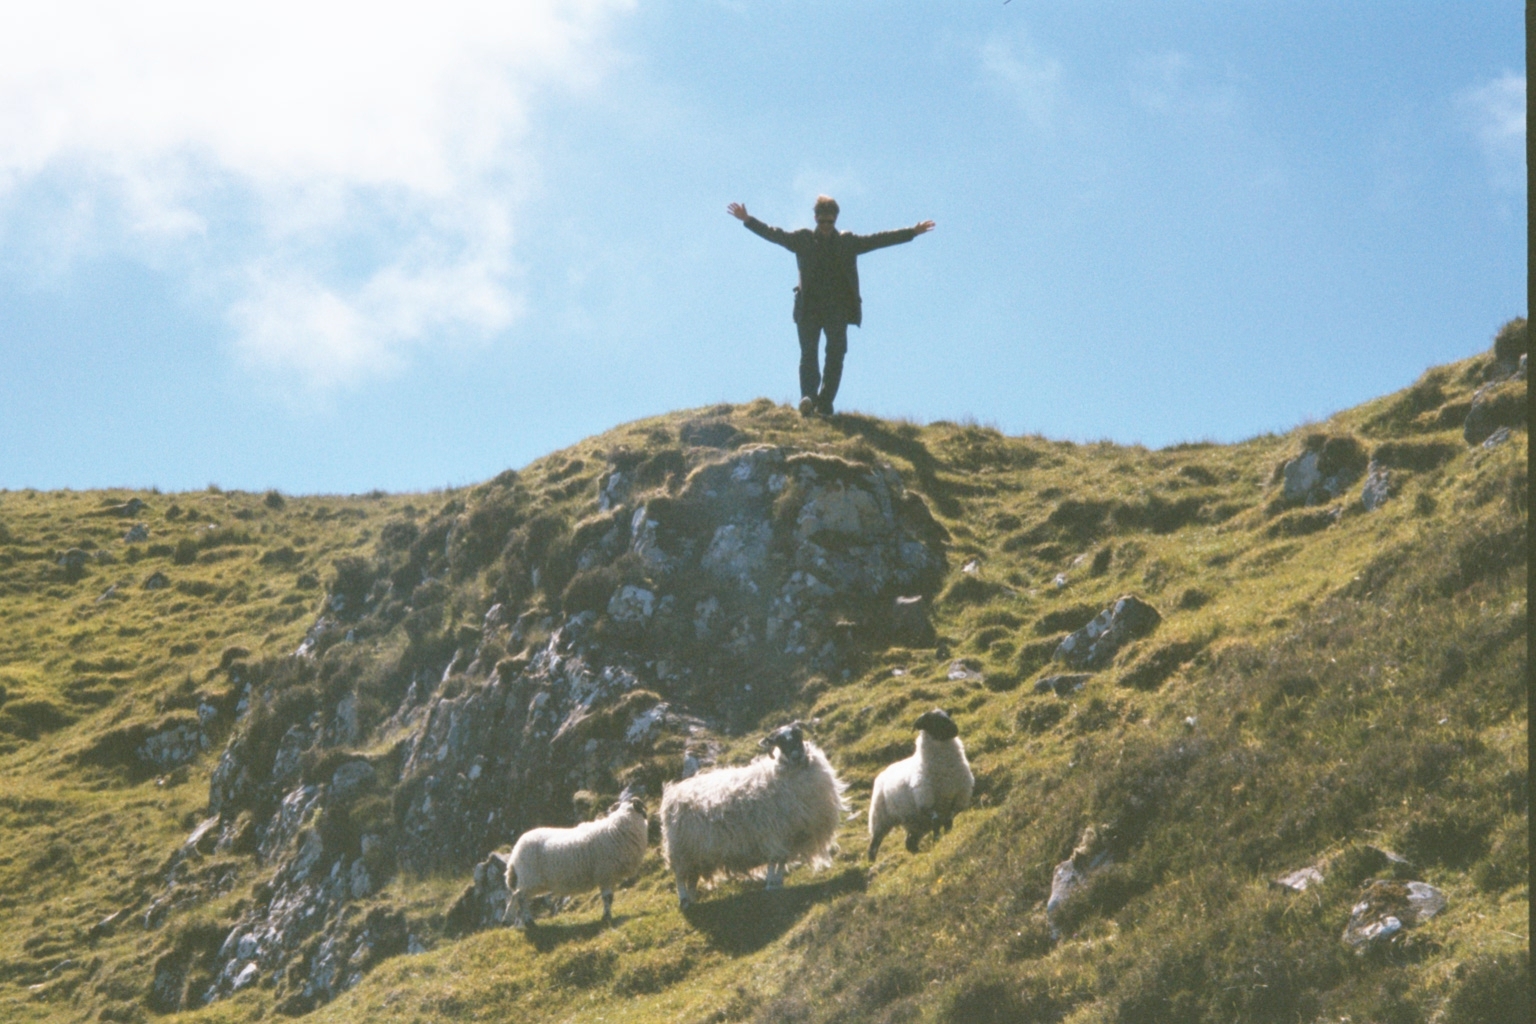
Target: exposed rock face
x,y
1500,404
1095,645
1323,471
1378,486
175,744
483,903
708,598
1072,874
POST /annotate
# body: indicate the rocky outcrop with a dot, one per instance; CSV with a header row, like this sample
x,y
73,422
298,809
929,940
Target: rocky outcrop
x,y
483,903
1095,645
1378,486
1324,470
700,593
1495,405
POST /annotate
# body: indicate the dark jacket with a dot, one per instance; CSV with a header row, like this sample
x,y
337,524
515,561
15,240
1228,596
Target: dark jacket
x,y
839,297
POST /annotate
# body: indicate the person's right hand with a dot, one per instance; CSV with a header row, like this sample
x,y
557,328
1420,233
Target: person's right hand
x,y
737,210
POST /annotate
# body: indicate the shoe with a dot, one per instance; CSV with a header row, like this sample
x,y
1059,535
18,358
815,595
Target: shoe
x,y
807,405
824,406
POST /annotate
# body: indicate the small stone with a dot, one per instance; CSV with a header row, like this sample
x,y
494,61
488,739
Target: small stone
x,y
1089,856
156,581
137,533
960,670
1300,880
1385,908
631,604
1497,438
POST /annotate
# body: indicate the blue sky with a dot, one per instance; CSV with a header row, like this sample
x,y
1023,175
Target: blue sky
x,y
335,247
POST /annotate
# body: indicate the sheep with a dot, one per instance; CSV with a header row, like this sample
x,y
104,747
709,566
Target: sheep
x,y
565,861
782,807
925,791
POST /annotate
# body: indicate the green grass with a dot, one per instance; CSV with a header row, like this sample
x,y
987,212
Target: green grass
x,y
1318,685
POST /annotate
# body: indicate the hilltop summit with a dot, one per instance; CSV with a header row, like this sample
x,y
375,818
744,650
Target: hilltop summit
x,y
1217,696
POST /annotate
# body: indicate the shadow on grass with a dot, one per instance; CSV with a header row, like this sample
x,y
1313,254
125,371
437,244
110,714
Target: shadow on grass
x,y
879,433
744,922
548,935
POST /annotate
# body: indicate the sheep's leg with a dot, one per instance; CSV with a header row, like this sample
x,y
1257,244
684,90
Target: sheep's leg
x,y
522,914
875,839
608,906
776,875
684,892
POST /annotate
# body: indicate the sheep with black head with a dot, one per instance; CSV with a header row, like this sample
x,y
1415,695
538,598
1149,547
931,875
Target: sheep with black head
x,y
924,792
784,806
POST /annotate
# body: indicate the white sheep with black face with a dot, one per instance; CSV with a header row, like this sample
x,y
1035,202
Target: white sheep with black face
x,y
924,792
782,807
566,861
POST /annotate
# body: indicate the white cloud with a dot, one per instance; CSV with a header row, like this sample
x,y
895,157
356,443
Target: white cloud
x,y
274,143
1497,114
1028,78
1170,84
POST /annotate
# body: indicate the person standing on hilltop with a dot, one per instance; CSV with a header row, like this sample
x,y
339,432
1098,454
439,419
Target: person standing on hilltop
x,y
827,298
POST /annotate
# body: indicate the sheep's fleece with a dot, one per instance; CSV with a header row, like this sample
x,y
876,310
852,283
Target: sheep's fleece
x,y
780,808
924,792
565,861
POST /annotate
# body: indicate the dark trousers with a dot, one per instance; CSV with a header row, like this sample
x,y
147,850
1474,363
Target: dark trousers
x,y
816,384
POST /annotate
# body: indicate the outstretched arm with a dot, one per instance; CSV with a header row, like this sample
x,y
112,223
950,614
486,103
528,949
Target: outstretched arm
x,y
776,235
881,239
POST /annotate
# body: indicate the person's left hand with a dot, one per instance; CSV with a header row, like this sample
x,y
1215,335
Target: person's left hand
x,y
924,227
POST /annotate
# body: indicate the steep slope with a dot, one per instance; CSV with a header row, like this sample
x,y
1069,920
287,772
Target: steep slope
x,y
1320,682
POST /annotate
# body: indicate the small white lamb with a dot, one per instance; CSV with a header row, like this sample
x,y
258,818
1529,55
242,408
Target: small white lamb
x,y
565,861
924,792
782,807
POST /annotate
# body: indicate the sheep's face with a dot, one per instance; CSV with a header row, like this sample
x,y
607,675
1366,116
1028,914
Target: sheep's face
x,y
790,741
938,725
628,803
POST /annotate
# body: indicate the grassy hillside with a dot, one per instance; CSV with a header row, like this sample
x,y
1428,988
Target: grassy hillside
x,y
1325,683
